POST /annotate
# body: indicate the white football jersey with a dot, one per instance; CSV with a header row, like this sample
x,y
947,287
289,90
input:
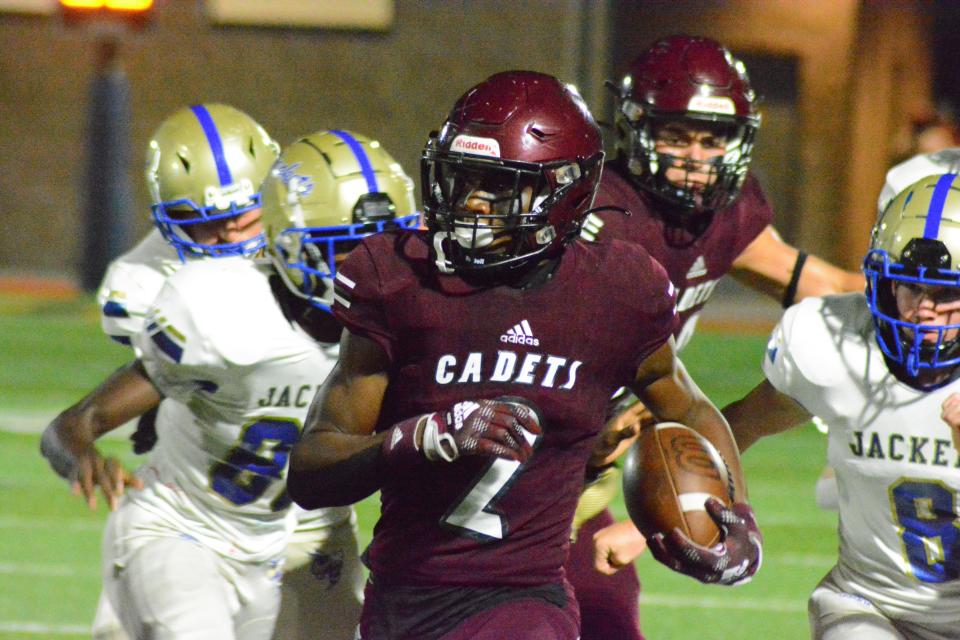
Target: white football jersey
x,y
901,176
216,341
897,471
131,284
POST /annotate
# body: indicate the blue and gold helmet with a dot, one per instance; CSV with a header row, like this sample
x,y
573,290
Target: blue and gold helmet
x,y
205,163
326,192
916,242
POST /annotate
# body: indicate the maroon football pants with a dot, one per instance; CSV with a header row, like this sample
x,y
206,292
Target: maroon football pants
x,y
609,605
451,613
523,619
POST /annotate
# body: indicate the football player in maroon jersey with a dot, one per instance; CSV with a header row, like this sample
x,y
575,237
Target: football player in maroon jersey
x,y
469,390
685,121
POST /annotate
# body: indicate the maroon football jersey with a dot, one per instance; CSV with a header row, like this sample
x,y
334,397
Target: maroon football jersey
x,y
695,263
564,346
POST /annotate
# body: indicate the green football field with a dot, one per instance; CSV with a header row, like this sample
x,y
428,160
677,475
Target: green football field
x,y
52,353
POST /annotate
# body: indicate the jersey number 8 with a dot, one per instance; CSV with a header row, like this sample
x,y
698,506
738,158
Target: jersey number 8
x,y
254,464
925,512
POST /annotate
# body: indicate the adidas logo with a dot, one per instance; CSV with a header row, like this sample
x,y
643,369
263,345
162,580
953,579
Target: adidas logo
x,y
698,269
520,333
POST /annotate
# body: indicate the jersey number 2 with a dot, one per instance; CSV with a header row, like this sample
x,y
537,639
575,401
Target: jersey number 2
x,y
474,513
925,512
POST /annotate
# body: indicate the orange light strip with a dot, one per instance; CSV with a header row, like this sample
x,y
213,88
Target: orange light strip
x,y
110,5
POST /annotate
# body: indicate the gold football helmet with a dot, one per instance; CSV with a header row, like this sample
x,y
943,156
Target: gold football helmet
x,y
205,162
325,193
916,241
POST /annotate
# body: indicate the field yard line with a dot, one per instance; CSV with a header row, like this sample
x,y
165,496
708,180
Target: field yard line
x,y
45,570
801,559
44,630
36,421
812,519
686,602
647,599
72,524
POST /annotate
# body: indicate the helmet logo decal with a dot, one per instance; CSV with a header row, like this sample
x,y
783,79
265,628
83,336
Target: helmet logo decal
x,y
240,194
935,213
297,184
216,144
712,104
476,145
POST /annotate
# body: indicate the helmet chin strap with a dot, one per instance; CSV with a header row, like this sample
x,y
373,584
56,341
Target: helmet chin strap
x,y
443,265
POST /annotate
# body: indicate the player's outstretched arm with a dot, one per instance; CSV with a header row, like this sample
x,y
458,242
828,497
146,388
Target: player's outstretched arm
x,y
950,413
763,412
770,265
68,441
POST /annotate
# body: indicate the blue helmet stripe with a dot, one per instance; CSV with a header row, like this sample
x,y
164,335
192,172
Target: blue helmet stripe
x,y
935,213
216,144
365,167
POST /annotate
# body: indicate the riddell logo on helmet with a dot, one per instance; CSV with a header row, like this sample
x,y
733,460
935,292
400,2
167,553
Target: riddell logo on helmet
x,y
477,146
712,104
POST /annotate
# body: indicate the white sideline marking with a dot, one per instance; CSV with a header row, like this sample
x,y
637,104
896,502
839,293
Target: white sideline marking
x,y
71,524
36,421
684,601
46,630
45,570
801,559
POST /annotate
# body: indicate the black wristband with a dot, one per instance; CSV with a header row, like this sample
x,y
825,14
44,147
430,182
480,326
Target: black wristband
x,y
791,291
592,474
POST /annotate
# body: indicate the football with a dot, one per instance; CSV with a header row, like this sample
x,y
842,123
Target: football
x,y
668,474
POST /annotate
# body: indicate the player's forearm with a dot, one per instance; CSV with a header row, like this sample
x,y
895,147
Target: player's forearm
x,y
763,412
707,420
329,469
820,278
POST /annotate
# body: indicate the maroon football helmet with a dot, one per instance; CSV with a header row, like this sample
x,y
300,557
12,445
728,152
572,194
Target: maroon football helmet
x,y
510,176
697,82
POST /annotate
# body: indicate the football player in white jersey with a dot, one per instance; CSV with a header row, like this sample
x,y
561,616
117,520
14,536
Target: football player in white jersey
x,y
898,177
882,372
195,550
204,166
200,157
326,192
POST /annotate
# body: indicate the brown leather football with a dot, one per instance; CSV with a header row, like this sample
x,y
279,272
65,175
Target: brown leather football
x,y
668,474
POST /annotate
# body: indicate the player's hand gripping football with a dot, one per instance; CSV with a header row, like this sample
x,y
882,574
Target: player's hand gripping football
x,y
502,428
732,561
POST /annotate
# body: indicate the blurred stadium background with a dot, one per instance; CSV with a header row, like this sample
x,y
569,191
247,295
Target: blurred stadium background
x,y
840,79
